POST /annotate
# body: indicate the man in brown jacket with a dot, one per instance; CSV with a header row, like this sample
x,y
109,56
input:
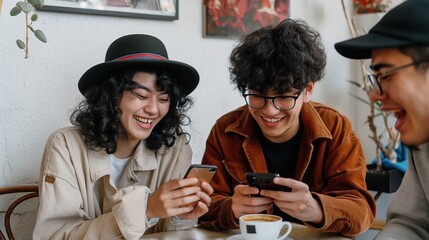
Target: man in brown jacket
x,y
312,146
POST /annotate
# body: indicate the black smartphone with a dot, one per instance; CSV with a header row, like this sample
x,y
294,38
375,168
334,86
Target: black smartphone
x,y
203,172
264,181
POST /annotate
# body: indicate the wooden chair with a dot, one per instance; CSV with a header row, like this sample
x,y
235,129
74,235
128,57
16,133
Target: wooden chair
x,y
31,191
378,224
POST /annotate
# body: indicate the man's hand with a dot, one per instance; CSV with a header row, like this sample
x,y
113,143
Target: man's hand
x,y
299,203
243,203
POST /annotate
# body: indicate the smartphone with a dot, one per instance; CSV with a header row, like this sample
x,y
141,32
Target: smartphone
x,y
264,181
201,171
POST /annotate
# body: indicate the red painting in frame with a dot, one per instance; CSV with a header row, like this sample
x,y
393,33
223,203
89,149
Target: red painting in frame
x,y
236,18
374,6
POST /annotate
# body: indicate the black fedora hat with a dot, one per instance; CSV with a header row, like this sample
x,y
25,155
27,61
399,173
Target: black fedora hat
x,y
139,50
405,25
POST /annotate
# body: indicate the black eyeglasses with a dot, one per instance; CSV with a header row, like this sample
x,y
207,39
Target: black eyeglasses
x,y
375,79
280,102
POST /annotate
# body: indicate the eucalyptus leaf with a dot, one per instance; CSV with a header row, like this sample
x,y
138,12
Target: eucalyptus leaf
x,y
25,6
34,17
20,44
33,2
15,11
40,35
38,4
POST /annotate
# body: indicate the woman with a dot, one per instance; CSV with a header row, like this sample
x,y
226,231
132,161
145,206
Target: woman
x,y
109,176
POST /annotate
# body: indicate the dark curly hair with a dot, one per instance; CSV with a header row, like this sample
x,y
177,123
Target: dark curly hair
x,y
287,56
98,114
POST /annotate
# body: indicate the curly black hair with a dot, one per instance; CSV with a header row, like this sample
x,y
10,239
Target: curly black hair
x,y
287,56
98,114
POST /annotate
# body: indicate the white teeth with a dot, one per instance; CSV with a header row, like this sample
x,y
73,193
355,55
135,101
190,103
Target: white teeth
x,y
272,120
143,120
393,111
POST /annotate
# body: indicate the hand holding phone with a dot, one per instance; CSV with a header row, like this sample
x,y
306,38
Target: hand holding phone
x,y
202,191
203,172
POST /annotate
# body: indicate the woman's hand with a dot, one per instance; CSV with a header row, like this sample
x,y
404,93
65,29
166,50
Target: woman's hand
x,y
173,198
202,206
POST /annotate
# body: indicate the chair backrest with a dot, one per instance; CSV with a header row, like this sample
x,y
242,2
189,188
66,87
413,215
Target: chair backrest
x,y
30,191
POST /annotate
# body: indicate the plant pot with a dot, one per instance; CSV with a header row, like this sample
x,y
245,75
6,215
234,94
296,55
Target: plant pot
x,y
386,180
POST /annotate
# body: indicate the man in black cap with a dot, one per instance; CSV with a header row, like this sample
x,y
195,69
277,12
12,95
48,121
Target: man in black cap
x,y
399,47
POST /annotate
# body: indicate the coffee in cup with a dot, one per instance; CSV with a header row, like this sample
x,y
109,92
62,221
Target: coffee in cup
x,y
263,226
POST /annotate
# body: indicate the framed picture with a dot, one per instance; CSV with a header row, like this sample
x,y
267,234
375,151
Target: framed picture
x,y
236,18
151,9
374,6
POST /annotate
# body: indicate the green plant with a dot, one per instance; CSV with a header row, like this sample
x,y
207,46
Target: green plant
x,y
26,7
388,132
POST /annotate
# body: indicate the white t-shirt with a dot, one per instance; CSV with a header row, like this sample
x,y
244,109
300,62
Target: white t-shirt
x,y
117,167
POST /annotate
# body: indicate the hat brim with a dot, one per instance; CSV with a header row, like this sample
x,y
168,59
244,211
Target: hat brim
x,y
361,47
184,73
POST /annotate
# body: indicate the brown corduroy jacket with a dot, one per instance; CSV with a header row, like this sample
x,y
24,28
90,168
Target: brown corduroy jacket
x,y
330,161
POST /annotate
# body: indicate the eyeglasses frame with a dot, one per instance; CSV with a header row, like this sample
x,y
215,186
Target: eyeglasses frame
x,y
273,99
374,79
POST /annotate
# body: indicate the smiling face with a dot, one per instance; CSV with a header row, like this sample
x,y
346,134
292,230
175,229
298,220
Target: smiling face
x,y
405,93
280,125
143,107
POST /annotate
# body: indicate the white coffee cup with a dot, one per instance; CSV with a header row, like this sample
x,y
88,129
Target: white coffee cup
x,y
263,226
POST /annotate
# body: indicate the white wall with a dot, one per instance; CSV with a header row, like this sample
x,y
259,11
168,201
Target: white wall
x,y
38,94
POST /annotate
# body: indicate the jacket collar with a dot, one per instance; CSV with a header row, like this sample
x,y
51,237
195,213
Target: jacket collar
x,y
143,159
314,127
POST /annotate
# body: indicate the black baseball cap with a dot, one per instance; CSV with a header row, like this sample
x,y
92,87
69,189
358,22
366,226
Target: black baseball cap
x,y
405,25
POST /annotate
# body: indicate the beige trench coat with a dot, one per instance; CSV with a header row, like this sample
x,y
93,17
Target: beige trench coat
x,y
77,200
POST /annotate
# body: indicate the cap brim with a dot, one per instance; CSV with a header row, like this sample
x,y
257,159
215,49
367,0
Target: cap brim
x,y
361,47
186,74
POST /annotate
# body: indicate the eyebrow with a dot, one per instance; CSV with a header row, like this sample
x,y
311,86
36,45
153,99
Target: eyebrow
x,y
288,94
138,85
278,94
377,67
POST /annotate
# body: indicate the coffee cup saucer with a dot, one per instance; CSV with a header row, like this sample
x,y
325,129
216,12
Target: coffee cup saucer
x,y
240,237
236,237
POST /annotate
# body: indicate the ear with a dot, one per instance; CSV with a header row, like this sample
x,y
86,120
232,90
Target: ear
x,y
308,91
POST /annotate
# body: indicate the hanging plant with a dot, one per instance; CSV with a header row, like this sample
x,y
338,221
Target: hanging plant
x,y
26,7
